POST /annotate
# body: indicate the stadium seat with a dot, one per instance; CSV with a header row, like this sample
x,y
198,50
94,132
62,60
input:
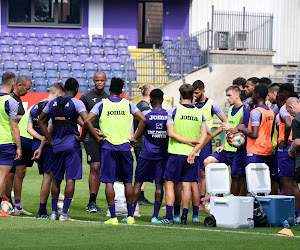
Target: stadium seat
x,y
59,37
5,52
31,52
94,45
68,45
16,44
83,54
52,80
25,72
44,53
43,45
102,63
91,82
82,46
7,36
4,44
46,37
107,45
90,72
115,63
71,38
104,69
89,62
23,64
57,53
79,74
121,47
84,38
62,64
19,52
56,45
33,37
29,44
109,38
110,55
36,63
122,39
20,36
123,55
97,38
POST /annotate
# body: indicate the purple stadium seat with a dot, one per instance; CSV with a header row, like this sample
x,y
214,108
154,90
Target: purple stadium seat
x,y
79,74
46,37
83,55
84,38
43,45
29,44
89,62
19,52
82,46
52,80
56,45
115,63
90,71
4,44
33,37
94,45
97,57
108,45
111,54
57,53
62,63
122,47
5,52
109,38
97,38
20,36
63,70
59,37
102,62
71,55
122,39
124,54
104,68
7,36
68,45
71,38
25,72
44,52
31,52
23,63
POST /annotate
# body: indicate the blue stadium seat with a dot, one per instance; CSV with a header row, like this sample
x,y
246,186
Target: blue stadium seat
x,y
84,38
4,44
110,55
52,80
115,63
25,72
16,44
19,52
123,55
91,82
97,38
23,65
6,52
33,37
108,46
7,36
59,37
122,39
46,37
56,45
109,38
102,63
71,38
94,45
29,45
122,47
89,62
20,36
36,63
43,45
31,52
68,45
81,46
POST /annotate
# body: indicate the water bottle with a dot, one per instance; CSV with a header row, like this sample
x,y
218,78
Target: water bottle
x,y
250,223
285,224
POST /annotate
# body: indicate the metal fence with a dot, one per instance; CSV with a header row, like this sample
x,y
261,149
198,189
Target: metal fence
x,y
241,30
176,58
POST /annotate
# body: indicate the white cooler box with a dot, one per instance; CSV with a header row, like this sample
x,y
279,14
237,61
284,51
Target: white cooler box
x,y
277,207
229,211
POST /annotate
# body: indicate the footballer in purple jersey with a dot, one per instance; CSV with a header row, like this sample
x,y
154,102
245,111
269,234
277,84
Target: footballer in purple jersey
x,y
64,112
154,154
45,155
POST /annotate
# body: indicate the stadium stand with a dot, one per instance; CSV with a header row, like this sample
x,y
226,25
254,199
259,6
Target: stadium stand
x,y
47,58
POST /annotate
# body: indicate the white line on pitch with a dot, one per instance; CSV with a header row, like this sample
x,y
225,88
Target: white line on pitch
x,y
169,227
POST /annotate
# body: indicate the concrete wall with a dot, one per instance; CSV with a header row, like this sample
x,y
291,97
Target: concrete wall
x,y
241,57
219,79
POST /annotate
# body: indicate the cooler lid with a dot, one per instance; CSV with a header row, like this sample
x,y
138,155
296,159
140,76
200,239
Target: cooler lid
x,y
217,179
258,178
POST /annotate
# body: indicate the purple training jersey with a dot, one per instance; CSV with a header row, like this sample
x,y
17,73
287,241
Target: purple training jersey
x,y
63,136
155,146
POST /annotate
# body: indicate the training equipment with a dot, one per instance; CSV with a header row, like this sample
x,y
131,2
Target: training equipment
x,y
60,206
207,207
228,211
286,232
276,207
235,140
6,207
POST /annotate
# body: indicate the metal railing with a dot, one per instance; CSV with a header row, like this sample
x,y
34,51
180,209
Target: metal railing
x,y
241,30
174,60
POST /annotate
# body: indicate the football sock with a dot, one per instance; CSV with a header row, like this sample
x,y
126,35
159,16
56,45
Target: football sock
x,y
112,210
93,197
67,202
297,212
169,211
195,210
157,205
43,207
54,204
185,211
130,209
176,209
134,205
1,199
18,204
201,196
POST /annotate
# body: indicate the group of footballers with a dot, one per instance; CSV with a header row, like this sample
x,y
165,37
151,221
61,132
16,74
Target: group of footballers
x,y
174,152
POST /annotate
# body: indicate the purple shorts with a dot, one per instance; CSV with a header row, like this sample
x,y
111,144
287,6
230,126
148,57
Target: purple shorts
x,y
69,163
116,166
205,152
149,170
178,169
239,162
7,154
286,164
45,162
274,170
254,158
25,159
224,156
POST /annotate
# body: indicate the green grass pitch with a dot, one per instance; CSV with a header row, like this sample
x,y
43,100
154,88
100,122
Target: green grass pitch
x,y
91,233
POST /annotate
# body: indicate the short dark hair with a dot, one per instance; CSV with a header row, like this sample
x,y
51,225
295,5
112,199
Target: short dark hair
x,y
265,81
187,91
254,80
116,85
274,86
287,88
234,88
262,90
71,84
157,94
240,81
7,77
295,94
198,85
243,95
57,86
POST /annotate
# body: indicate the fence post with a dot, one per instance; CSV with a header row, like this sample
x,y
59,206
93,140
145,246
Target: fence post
x,y
212,25
244,23
126,72
181,56
154,48
207,52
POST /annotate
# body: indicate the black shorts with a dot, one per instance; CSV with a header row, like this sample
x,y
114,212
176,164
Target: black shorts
x,y
13,169
297,174
25,159
92,149
137,152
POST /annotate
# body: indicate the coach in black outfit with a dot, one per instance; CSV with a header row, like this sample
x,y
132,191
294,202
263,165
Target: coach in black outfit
x,y
92,147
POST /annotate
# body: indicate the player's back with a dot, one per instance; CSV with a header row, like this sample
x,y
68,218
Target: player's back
x,y
155,144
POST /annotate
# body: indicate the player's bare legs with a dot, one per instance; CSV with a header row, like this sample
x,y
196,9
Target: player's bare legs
x,y
137,190
94,183
235,185
243,190
110,193
45,187
170,195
